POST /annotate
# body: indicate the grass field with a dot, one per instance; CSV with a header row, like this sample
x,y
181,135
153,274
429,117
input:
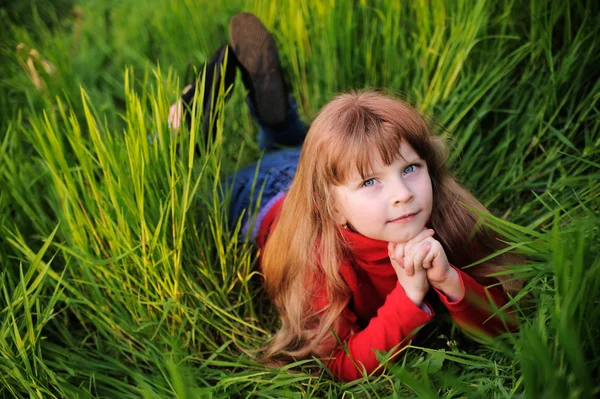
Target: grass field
x,y
118,278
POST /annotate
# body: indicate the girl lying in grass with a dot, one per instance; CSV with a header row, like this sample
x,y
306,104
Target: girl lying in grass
x,y
360,224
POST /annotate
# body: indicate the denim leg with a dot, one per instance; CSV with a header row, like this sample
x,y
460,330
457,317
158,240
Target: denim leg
x,y
289,133
275,173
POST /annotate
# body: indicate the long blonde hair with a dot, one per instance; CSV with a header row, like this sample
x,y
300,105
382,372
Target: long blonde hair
x,y
306,244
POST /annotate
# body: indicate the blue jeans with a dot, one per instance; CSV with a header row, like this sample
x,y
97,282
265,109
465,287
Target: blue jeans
x,y
259,183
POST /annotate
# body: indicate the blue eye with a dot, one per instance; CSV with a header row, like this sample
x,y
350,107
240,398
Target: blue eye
x,y
368,182
410,168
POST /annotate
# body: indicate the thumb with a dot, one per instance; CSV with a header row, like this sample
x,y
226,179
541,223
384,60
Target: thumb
x,y
391,249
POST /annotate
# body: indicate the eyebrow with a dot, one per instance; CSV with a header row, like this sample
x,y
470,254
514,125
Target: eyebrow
x,y
372,173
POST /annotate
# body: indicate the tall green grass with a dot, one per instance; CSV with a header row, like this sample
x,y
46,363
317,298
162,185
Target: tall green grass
x,y
119,277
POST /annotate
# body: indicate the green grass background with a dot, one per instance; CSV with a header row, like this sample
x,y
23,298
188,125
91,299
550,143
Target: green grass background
x,y
117,276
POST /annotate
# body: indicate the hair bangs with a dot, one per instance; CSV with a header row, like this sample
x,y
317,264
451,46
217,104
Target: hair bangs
x,y
362,149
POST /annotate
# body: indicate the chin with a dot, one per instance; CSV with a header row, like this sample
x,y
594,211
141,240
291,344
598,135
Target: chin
x,y
406,235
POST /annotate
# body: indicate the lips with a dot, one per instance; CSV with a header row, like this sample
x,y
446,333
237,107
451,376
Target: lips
x,y
403,218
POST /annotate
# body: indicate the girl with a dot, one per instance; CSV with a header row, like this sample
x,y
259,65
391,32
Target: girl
x,y
372,221
359,226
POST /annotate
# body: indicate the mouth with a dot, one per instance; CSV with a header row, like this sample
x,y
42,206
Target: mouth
x,y
404,218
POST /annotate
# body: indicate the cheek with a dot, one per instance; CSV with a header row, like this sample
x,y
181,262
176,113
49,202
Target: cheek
x,y
358,207
428,192
344,202
344,205
425,190
351,205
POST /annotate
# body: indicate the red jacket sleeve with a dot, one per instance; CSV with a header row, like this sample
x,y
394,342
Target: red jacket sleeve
x,y
472,311
396,323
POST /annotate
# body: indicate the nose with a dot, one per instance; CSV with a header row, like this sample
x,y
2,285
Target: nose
x,y
399,192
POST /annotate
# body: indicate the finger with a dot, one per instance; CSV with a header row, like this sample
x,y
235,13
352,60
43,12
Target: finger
x,y
397,263
171,117
423,235
409,265
399,252
397,266
174,118
391,249
420,254
427,262
437,252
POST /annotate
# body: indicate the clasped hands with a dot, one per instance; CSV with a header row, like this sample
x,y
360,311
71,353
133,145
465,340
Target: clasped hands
x,y
421,262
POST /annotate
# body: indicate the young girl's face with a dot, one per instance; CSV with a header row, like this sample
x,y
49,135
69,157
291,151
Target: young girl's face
x,y
391,204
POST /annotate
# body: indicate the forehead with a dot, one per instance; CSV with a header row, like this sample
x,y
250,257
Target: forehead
x,y
376,162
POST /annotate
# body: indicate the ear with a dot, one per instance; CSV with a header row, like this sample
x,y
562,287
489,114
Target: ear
x,y
338,217
336,213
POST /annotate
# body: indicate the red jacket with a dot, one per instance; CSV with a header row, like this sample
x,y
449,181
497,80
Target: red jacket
x,y
380,316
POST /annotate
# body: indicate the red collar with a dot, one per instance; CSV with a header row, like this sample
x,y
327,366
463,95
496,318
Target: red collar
x,y
366,248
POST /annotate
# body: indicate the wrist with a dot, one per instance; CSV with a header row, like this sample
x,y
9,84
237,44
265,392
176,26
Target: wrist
x,y
451,286
416,297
